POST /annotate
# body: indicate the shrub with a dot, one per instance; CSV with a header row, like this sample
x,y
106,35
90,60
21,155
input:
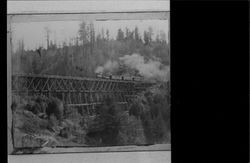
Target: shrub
x,y
53,121
65,132
55,106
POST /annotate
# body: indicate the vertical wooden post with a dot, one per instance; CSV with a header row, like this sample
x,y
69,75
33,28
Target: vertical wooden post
x,y
85,98
88,110
80,98
69,97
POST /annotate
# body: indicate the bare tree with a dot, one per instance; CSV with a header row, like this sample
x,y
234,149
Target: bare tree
x,y
150,33
107,34
47,31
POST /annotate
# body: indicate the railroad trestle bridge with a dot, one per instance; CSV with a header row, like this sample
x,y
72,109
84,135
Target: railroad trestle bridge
x,y
78,91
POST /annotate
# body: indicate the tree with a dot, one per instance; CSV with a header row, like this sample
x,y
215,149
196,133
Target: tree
x,y
47,30
163,36
137,36
150,33
157,39
52,45
20,47
102,34
107,34
87,36
76,41
98,38
92,37
146,38
131,35
126,33
120,35
83,33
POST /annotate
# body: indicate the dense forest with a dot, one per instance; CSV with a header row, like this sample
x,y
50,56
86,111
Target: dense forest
x,y
89,50
147,120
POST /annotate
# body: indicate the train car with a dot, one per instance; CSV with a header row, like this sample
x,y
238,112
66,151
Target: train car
x,y
137,78
115,77
127,77
98,75
102,76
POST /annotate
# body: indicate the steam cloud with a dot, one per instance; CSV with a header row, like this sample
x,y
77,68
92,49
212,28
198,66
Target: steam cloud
x,y
151,69
109,66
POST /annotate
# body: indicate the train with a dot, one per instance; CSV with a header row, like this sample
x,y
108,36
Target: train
x,y
115,77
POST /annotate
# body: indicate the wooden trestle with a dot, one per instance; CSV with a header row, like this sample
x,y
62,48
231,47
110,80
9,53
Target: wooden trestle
x,y
77,91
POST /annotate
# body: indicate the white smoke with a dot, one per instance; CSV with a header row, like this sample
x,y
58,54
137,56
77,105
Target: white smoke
x,y
109,66
151,69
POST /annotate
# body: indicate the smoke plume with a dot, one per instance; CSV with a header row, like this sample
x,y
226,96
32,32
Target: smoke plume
x,y
109,66
151,69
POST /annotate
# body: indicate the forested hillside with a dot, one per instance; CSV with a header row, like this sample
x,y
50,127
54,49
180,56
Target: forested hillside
x,y
90,51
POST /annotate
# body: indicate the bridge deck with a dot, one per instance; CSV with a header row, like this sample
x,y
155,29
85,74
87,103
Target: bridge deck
x,y
78,78
78,91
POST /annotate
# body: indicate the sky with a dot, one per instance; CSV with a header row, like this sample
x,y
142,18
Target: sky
x,y
33,33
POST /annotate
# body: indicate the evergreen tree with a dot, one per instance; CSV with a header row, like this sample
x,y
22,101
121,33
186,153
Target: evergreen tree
x,y
126,33
107,34
83,33
163,36
137,36
150,34
120,35
146,38
102,34
157,39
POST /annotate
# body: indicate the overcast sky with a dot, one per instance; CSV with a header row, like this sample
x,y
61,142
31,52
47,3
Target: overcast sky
x,y
33,33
